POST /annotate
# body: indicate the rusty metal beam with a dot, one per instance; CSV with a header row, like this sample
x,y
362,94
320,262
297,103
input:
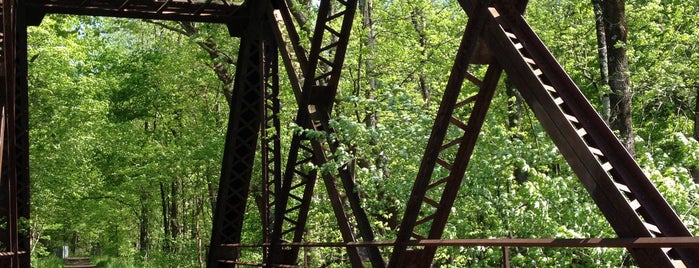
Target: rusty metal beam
x,y
15,165
626,169
584,164
634,242
321,83
271,144
463,155
616,183
638,242
241,140
179,10
8,236
292,203
21,135
320,75
434,145
292,53
315,87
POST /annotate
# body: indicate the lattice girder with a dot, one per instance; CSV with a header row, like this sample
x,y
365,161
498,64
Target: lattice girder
x,y
218,11
315,80
241,140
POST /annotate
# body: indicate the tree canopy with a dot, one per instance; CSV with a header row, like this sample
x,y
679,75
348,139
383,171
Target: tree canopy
x,y
128,121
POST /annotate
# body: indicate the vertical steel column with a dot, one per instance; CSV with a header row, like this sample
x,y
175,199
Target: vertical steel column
x,y
21,139
8,193
293,197
293,193
241,142
15,164
320,76
271,143
322,83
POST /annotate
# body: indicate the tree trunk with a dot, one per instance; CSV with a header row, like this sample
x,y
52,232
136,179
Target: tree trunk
x,y
615,28
370,117
694,170
36,231
299,11
420,24
514,119
174,218
166,226
603,65
144,234
220,60
199,202
213,189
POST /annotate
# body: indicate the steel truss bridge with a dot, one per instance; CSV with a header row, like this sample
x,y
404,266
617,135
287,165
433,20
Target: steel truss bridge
x,y
644,222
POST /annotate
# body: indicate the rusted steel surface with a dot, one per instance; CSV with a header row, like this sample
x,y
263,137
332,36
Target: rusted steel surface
x,y
7,206
629,201
14,181
654,209
505,257
271,144
182,10
293,197
293,202
463,155
614,191
619,188
2,126
435,146
639,242
241,141
326,59
292,53
320,76
21,138
505,243
626,171
4,256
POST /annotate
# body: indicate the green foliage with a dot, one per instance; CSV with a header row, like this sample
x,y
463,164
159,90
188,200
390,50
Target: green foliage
x,y
112,120
48,262
128,122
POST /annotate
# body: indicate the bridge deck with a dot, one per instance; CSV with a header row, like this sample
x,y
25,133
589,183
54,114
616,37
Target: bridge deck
x,y
219,11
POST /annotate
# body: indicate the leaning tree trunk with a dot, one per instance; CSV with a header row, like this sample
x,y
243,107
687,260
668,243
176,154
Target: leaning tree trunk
x,y
371,118
420,25
615,27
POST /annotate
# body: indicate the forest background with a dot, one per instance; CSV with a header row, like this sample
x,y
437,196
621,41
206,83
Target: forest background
x,y
128,122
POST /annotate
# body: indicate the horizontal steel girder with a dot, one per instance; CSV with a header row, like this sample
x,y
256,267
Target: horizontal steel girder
x,y
218,11
595,242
